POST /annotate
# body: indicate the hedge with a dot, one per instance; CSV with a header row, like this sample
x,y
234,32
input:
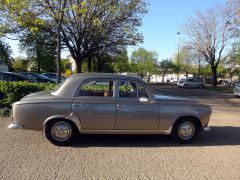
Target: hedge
x,y
11,92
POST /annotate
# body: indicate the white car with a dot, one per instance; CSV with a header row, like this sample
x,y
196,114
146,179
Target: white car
x,y
236,90
190,83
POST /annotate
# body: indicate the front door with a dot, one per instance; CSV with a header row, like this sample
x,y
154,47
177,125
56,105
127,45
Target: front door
x,y
132,112
95,105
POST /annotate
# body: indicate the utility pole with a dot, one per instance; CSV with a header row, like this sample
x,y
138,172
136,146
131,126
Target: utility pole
x,y
178,59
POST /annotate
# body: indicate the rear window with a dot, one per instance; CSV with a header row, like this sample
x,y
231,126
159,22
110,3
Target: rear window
x,y
182,80
102,88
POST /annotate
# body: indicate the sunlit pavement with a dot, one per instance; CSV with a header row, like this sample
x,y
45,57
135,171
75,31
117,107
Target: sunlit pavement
x,y
215,154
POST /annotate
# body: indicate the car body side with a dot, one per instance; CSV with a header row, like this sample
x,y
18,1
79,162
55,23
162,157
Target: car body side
x,y
35,110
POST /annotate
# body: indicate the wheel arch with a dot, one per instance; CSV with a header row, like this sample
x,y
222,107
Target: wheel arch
x,y
72,117
192,117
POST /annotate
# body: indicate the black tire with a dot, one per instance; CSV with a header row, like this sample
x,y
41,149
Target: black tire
x,y
201,86
176,135
185,86
71,132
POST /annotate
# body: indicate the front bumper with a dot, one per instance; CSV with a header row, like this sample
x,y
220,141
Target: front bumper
x,y
207,128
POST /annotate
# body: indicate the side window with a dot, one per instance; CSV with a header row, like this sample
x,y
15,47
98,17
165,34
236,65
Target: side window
x,y
15,78
127,89
33,77
102,88
142,91
6,77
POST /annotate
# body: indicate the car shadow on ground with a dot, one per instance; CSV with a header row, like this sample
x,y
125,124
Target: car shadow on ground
x,y
218,136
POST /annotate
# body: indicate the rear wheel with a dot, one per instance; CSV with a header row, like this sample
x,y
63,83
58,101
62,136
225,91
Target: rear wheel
x,y
185,86
201,86
60,132
185,130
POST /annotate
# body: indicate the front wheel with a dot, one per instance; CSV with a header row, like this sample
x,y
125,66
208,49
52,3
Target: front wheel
x,y
60,132
185,131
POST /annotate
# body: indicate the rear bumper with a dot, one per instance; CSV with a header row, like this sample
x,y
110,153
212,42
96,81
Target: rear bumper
x,y
15,126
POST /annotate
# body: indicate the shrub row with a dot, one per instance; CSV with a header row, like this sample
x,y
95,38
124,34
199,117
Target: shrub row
x,y
11,92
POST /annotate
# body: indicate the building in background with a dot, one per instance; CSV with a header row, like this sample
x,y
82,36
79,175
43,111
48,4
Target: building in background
x,y
168,78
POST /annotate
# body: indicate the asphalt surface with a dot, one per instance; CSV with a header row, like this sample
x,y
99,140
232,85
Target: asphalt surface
x,y
214,155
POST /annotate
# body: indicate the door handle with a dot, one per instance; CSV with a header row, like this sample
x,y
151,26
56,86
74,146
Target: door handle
x,y
120,105
77,104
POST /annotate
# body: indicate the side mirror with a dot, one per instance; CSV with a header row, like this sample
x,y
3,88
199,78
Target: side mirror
x,y
143,99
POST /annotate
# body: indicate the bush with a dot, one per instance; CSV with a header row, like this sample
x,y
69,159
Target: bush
x,y
11,92
5,112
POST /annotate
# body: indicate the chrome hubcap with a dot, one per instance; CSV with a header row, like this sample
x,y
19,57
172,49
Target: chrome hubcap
x,y
186,130
61,131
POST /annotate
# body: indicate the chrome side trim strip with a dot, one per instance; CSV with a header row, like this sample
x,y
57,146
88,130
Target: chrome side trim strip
x,y
137,132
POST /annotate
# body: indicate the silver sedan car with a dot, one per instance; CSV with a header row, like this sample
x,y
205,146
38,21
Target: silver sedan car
x,y
236,90
108,104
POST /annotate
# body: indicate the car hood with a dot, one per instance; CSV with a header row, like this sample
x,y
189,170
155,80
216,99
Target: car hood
x,y
163,98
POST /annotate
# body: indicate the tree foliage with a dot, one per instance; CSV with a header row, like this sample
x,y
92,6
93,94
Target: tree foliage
x,y
208,34
88,26
40,47
5,54
121,62
146,61
166,66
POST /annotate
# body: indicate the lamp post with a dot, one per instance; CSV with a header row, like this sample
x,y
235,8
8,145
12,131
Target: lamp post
x,y
178,59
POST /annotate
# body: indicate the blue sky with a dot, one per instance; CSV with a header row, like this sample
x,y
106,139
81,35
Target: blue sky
x,y
160,25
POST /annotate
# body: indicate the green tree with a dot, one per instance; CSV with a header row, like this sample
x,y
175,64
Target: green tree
x,y
20,64
146,61
86,27
186,59
121,62
5,54
40,47
166,66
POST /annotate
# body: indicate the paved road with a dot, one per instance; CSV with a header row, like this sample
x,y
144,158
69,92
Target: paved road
x,y
214,155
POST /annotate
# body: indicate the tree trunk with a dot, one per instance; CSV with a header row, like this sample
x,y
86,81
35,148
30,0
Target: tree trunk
x,y
38,66
214,76
89,59
58,53
79,65
163,78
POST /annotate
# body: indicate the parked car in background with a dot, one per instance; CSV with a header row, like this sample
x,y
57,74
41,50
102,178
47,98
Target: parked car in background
x,y
190,83
34,77
10,76
236,90
53,76
108,104
224,82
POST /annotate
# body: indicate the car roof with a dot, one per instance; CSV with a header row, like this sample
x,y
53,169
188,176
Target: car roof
x,y
72,82
104,75
15,74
